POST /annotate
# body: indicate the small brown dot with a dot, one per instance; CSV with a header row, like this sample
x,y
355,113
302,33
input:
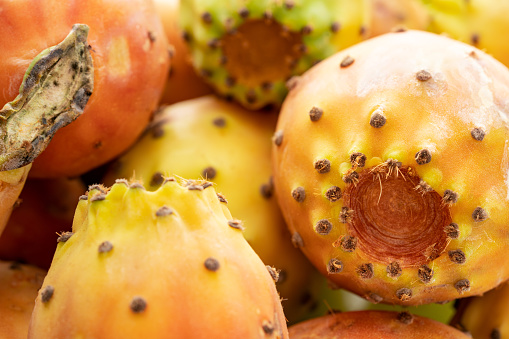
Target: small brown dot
x,y
15,265
64,237
322,166
377,119
399,29
323,227
157,179
206,73
219,122
282,276
423,75
365,271
292,82
267,190
297,240
462,286
315,113
478,133
333,193
495,334
98,144
244,13
186,36
306,30
335,27
394,270
334,266
289,4
450,197
83,197
374,298
346,215
278,138
98,197
452,230
351,178
347,61
214,43
274,273
206,184
251,96
423,157
138,304
221,198
105,246
164,211
299,194
267,327
474,39
136,185
348,243
479,214
457,256
425,274
267,86
423,187
237,224
358,159
211,264
404,294
151,36
405,317
209,173
47,293
206,17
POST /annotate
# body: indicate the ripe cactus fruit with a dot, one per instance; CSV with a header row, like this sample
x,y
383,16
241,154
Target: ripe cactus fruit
x,y
249,49
481,23
230,146
18,289
45,209
417,188
150,264
485,316
387,15
373,324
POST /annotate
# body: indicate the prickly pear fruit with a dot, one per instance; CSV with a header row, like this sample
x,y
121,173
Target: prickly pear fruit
x,y
183,83
391,168
45,209
247,50
230,146
373,324
387,15
11,184
18,289
485,316
149,264
482,23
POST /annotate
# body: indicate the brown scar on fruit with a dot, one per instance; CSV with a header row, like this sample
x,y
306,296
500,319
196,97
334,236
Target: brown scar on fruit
x,y
479,214
297,240
299,194
351,177
457,256
209,173
267,327
405,317
322,166
394,270
478,133
347,61
373,298
358,159
274,273
64,236
211,264
452,230
423,157
315,113
138,304
346,215
221,198
237,224
450,198
157,179
423,187
136,185
425,274
323,227
334,266
404,294
423,75
105,247
377,119
387,167
347,243
164,211
47,293
278,138
462,286
333,193
98,197
365,271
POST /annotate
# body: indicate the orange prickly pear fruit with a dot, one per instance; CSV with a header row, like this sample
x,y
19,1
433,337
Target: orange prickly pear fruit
x,y
154,264
373,324
19,284
391,168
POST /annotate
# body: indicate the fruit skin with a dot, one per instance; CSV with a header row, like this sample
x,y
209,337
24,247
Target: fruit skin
x,y
109,123
18,288
481,23
467,93
148,264
229,146
11,184
256,68
387,15
373,324
485,316
182,83
45,209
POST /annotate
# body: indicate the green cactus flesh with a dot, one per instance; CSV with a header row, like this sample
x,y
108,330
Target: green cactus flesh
x,y
248,49
230,146
149,264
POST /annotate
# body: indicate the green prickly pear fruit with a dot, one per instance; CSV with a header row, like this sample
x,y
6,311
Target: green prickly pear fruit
x,y
230,146
19,284
391,166
247,50
374,324
156,264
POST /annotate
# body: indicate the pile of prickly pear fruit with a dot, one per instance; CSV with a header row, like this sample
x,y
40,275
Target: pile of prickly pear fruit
x,y
254,169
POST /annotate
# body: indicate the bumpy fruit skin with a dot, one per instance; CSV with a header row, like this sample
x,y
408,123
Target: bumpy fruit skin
x,y
247,50
182,83
373,324
11,184
45,209
130,56
391,166
229,146
18,289
151,264
485,316
482,23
